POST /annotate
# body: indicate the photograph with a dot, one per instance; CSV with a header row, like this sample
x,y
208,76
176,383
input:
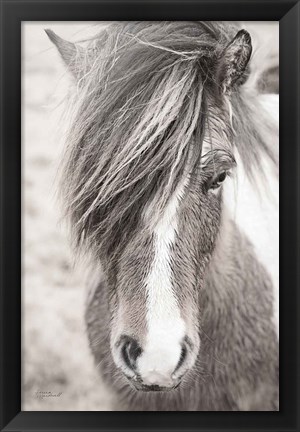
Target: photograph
x,y
150,216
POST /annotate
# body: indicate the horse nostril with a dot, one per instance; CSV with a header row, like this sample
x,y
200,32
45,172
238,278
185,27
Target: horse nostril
x,y
130,351
182,357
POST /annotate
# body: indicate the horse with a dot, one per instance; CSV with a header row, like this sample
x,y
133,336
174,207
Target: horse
x,y
170,187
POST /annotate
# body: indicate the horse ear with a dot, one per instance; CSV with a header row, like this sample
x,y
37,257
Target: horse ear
x,y
68,51
233,62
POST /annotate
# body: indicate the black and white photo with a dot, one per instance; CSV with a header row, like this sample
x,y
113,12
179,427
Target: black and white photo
x,y
150,199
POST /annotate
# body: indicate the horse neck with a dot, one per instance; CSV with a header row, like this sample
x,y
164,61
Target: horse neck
x,y
245,262
251,204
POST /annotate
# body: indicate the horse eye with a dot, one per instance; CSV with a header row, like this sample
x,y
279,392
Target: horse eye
x,y
218,180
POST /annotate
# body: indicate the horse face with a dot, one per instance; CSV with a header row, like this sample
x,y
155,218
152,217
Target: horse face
x,y
156,273
158,278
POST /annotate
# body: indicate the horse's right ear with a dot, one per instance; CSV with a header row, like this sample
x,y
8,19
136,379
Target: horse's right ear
x,y
233,62
68,51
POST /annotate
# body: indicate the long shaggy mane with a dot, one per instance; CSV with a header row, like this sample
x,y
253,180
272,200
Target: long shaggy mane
x,y
145,99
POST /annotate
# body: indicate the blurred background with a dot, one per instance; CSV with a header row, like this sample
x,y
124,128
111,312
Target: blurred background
x,y
57,369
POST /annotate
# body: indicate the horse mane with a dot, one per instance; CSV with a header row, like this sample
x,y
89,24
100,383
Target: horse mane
x,y
145,100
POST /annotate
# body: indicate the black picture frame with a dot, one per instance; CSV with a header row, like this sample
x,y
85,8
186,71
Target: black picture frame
x,y
13,12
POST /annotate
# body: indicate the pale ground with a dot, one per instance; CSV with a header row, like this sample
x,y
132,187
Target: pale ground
x,y
55,351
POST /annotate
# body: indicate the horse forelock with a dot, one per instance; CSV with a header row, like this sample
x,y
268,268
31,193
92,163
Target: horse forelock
x,y
141,113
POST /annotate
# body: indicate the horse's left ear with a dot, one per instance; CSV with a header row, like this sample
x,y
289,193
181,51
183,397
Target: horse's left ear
x,y
233,62
68,51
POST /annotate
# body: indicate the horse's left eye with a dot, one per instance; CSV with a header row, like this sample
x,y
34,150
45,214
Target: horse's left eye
x,y
218,180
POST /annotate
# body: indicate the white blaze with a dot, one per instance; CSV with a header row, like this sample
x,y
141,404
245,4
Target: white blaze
x,y
165,327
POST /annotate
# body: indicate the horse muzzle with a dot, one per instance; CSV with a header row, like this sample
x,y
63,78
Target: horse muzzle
x,y
138,385
158,370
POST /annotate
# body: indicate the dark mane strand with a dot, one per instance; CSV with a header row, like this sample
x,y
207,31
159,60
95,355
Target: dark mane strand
x,y
140,114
